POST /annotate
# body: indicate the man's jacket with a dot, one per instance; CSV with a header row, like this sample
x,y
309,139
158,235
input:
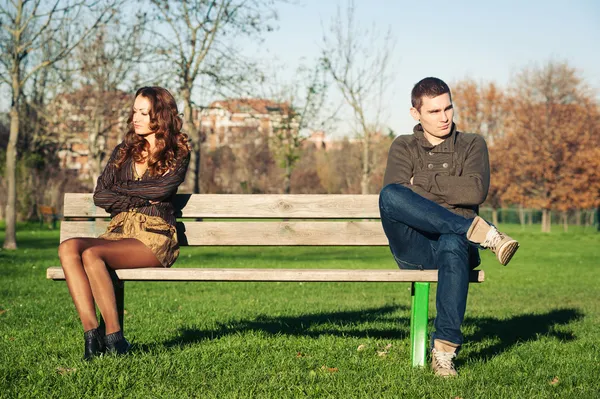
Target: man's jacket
x,y
454,173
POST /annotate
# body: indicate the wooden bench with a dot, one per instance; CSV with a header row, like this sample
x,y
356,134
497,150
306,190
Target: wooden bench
x,y
283,220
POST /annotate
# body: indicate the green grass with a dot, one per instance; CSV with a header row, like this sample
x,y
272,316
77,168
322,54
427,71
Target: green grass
x,y
532,329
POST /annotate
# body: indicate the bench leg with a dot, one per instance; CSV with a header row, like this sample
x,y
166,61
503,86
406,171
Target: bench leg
x,y
119,296
418,323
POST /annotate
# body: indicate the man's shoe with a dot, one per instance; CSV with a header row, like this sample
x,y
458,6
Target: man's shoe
x,y
442,356
488,236
116,343
94,343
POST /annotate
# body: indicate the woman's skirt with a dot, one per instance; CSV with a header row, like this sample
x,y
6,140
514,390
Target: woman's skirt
x,y
153,231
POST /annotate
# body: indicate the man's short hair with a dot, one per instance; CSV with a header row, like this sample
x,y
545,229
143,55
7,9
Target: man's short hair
x,y
428,87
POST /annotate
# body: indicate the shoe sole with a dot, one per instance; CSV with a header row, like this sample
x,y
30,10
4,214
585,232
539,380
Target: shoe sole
x,y
507,252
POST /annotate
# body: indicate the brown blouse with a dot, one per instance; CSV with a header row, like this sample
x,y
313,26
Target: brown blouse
x,y
120,190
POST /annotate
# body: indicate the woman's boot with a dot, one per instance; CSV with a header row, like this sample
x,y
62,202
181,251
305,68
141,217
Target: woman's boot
x,y
116,343
94,343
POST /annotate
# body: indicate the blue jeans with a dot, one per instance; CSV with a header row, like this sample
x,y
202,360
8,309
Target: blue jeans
x,y
425,235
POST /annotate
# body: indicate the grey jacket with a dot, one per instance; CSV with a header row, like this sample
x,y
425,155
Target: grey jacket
x,y
454,173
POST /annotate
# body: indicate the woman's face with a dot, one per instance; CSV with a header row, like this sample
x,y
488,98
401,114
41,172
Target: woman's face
x,y
141,116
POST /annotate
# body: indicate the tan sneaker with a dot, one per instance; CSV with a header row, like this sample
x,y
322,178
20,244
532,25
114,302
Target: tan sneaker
x,y
488,236
442,356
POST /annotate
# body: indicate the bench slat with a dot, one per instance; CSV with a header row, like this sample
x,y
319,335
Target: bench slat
x,y
353,233
302,206
298,275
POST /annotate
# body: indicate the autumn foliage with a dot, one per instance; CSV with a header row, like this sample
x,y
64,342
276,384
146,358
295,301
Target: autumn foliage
x,y
544,144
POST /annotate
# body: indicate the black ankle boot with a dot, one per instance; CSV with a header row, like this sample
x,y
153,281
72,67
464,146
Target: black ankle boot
x,y
94,343
116,343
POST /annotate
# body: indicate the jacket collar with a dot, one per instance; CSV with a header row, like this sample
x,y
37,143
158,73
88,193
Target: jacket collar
x,y
445,146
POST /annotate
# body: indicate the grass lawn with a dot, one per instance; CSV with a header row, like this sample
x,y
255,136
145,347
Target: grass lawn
x,y
532,329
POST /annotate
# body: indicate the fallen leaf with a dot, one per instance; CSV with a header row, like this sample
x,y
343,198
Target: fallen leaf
x,y
388,346
125,311
2,311
299,354
381,353
11,338
329,369
361,347
64,370
554,381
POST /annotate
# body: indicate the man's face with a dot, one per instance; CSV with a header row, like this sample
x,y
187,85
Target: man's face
x,y
436,117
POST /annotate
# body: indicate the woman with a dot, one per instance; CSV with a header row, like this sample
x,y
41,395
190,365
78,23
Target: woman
x,y
137,188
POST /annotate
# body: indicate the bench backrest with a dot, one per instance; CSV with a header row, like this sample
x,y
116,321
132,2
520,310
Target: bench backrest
x,y
252,219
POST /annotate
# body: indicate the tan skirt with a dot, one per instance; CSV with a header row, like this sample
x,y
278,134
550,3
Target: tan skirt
x,y
153,231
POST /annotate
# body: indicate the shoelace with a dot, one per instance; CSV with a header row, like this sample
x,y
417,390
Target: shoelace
x,y
492,239
444,359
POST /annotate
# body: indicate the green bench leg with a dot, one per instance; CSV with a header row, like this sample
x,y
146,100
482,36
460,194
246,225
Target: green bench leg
x,y
418,323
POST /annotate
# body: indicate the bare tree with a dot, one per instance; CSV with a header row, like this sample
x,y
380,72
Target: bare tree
x,y
107,66
304,101
28,27
198,39
359,64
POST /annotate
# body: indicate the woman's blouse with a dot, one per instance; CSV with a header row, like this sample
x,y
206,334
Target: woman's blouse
x,y
121,190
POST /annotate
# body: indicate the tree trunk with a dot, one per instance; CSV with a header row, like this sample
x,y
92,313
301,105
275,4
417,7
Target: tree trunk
x,y
287,180
565,219
521,215
366,166
97,147
546,224
10,238
578,214
194,135
530,214
495,216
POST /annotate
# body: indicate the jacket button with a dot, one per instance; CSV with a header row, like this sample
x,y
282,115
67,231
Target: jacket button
x,y
430,166
430,152
445,165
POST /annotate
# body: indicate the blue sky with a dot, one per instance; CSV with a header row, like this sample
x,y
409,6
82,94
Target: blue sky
x,y
483,40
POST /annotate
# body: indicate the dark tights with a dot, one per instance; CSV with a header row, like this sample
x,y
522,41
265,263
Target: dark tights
x,y
85,262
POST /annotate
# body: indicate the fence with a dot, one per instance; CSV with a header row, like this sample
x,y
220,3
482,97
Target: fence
x,y
578,217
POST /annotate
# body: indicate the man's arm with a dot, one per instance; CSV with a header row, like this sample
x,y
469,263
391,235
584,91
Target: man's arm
x,y
399,170
471,187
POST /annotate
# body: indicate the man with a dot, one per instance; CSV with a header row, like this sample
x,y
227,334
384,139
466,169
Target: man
x,y
434,182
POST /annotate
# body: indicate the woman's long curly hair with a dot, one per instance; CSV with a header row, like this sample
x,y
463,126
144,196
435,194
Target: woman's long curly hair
x,y
165,122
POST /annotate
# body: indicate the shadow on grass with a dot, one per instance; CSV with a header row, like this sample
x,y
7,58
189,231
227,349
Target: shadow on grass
x,y
507,332
345,324
518,329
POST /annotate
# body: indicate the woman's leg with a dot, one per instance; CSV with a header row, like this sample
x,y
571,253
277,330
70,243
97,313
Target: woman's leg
x,y
127,253
69,253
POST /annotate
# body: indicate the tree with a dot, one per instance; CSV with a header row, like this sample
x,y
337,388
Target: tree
x,y
197,39
361,71
30,26
304,100
552,127
482,108
106,64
